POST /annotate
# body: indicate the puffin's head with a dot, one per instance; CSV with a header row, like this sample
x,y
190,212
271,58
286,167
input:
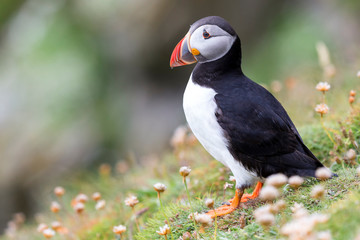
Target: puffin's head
x,y
208,39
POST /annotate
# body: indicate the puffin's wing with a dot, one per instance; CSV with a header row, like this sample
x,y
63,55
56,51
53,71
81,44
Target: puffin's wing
x,y
262,136
254,129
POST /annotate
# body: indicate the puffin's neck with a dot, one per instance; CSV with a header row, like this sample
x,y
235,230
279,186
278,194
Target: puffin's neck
x,y
204,73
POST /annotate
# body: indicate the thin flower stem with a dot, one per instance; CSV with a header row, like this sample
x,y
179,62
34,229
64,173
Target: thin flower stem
x,y
192,210
163,211
136,222
325,129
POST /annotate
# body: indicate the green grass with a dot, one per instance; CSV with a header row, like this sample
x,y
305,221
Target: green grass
x,y
206,180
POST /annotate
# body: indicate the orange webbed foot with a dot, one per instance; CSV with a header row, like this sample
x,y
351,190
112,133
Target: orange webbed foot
x,y
221,211
240,197
226,209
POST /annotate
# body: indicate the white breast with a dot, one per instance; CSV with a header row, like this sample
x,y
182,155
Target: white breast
x,y
199,107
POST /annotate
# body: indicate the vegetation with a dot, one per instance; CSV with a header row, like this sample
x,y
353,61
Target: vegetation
x,y
206,180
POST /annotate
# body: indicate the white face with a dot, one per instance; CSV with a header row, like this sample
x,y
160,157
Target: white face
x,y
211,41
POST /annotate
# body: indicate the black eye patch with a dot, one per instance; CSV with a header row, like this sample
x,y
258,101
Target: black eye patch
x,y
206,35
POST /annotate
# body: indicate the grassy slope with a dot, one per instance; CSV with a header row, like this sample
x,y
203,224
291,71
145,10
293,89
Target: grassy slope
x,y
206,180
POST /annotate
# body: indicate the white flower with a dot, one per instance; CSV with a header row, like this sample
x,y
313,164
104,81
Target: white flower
x,y
297,207
300,213
323,173
100,204
96,196
266,220
269,193
358,74
318,192
277,180
185,171
164,230
209,203
295,181
358,171
302,226
204,219
41,227
48,233
266,209
323,86
81,198
351,154
232,179
79,207
55,207
228,185
281,204
55,225
59,191
159,187
131,201
119,229
322,108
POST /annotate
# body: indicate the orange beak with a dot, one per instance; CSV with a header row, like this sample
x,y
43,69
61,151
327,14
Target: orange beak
x,y
181,54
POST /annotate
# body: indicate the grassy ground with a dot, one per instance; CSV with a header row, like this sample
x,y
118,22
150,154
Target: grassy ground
x,y
205,181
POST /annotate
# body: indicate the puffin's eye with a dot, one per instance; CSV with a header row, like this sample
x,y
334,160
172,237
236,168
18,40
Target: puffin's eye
x,y
206,35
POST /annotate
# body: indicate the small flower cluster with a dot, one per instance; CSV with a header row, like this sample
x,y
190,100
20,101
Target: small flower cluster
x,y
78,205
163,231
119,230
131,201
49,232
303,224
265,215
323,87
322,108
278,180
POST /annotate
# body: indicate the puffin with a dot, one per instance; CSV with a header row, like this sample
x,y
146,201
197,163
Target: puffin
x,y
239,122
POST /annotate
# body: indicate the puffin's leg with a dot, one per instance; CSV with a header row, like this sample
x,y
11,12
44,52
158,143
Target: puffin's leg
x,y
226,209
246,197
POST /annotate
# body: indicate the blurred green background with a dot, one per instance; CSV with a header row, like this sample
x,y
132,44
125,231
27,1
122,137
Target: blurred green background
x,y
84,82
